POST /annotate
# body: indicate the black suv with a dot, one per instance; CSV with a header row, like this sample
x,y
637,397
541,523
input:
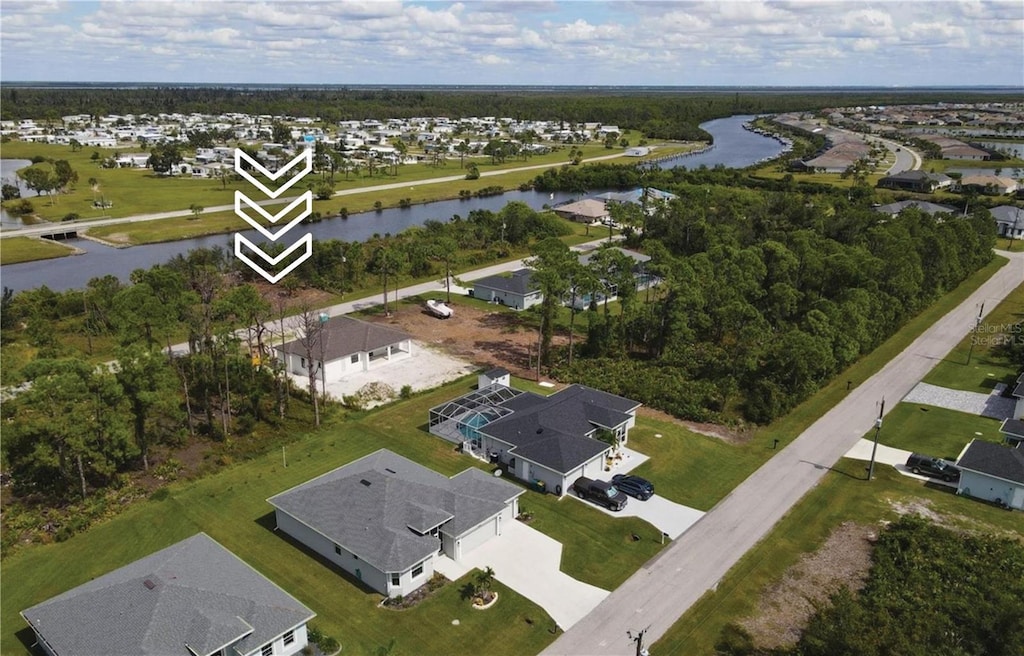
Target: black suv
x,y
922,464
634,486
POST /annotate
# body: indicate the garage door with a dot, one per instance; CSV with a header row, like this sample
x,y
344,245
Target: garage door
x,y
478,536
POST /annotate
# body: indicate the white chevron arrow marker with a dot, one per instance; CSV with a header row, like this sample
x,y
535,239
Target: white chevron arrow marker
x,y
305,199
273,218
240,155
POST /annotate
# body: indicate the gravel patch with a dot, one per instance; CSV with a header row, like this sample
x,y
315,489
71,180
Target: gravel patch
x,y
987,405
787,606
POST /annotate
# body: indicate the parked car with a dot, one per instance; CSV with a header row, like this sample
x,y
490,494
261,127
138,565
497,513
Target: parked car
x,y
922,464
634,486
602,493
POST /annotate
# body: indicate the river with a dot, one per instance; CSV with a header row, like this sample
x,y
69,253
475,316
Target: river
x,y
734,147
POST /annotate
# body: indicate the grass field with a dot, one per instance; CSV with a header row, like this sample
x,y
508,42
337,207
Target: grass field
x,y
986,368
27,249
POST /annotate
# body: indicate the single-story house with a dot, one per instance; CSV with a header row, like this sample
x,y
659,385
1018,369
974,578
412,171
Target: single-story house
x,y
549,441
920,181
1009,221
588,210
194,598
1013,431
637,151
987,184
384,518
348,345
639,196
642,279
516,290
893,209
963,151
992,472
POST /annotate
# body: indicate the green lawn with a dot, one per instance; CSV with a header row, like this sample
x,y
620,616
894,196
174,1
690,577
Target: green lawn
x,y
231,507
935,431
986,368
26,249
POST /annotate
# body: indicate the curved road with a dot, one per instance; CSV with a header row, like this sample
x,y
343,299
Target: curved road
x,y
31,231
665,588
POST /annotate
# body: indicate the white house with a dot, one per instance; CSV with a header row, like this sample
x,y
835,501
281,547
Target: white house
x,y
194,598
384,519
992,472
348,346
548,441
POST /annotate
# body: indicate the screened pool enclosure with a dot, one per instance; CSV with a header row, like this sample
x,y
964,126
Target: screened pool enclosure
x,y
459,420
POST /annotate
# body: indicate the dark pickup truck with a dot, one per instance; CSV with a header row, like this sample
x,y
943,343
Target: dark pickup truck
x,y
600,492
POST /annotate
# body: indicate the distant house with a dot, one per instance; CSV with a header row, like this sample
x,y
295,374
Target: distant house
x,y
987,184
349,346
194,598
992,472
1009,221
637,151
587,210
1018,392
546,440
1013,432
963,151
517,290
893,209
639,196
384,518
919,181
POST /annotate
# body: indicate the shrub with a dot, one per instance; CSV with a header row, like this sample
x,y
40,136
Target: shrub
x,y
23,206
406,391
70,216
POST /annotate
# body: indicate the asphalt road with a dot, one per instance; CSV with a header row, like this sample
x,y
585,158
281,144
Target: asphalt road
x,y
48,227
665,588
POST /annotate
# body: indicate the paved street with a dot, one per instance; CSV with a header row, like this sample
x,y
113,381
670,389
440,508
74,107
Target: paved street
x,y
665,588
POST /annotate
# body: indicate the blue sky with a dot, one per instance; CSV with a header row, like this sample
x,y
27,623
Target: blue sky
x,y
543,42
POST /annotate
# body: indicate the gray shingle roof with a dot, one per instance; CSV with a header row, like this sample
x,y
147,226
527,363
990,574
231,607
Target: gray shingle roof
x,y
924,206
373,505
1018,389
1014,427
192,595
552,431
993,459
1007,214
520,282
344,336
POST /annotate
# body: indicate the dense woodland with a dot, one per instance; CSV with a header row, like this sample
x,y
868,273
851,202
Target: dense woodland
x,y
765,295
662,114
930,591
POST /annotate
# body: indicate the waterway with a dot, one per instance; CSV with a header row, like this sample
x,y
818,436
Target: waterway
x,y
734,147
8,175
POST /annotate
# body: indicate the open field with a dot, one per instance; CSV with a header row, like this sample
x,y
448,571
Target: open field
x,y
26,249
942,165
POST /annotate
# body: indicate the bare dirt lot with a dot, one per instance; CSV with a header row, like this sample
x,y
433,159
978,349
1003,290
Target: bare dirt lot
x,y
484,337
787,606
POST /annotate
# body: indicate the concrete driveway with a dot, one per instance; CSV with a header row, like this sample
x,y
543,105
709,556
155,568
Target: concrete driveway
x,y
887,455
670,517
529,562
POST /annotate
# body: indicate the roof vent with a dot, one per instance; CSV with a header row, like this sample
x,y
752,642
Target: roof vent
x,y
365,482
149,584
390,471
540,430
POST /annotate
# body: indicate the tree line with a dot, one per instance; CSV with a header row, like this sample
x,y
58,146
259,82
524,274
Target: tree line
x,y
764,296
661,114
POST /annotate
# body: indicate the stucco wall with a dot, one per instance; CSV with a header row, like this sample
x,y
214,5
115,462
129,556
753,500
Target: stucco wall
x,y
984,487
346,560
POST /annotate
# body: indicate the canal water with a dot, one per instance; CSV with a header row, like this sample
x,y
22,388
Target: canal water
x,y
734,147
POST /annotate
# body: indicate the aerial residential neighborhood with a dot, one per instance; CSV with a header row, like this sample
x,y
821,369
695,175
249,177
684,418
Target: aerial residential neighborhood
x,y
429,328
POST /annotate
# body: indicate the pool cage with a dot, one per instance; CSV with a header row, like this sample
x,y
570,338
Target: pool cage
x,y
458,420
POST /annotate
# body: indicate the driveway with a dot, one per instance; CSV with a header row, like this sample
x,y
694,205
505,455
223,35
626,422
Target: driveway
x,y
887,455
529,562
672,518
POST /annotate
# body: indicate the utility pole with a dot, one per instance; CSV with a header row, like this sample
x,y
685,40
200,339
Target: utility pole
x,y
874,447
974,333
324,318
638,638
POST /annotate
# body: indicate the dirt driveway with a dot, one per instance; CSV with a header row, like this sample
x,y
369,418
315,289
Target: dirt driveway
x,y
484,337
